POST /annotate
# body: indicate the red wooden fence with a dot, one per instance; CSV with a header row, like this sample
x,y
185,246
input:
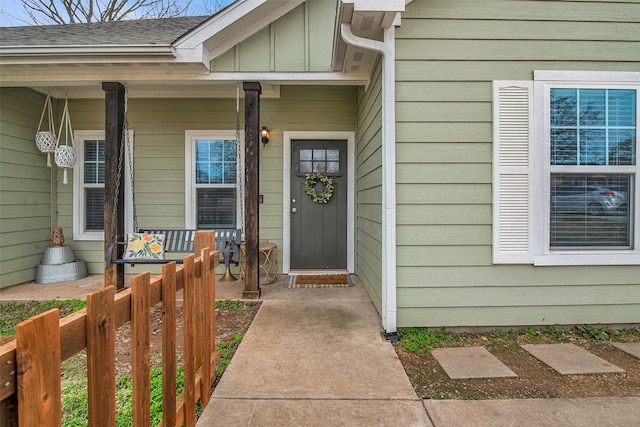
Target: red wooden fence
x,y
30,390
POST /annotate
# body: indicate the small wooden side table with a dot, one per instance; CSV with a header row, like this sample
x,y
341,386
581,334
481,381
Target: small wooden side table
x,y
268,268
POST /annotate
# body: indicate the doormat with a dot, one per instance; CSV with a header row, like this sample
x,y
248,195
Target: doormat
x,y
318,281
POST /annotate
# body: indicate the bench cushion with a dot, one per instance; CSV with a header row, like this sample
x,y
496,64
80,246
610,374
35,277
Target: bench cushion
x,y
144,246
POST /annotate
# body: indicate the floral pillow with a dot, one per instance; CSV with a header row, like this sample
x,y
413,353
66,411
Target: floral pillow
x,y
144,246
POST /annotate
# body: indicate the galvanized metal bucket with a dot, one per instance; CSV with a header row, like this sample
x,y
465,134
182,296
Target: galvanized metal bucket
x,y
58,255
53,273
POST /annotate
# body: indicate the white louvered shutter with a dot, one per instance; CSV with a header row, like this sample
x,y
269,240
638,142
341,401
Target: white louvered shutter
x,y
512,119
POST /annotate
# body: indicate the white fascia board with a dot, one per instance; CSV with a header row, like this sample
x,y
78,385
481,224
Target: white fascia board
x,y
289,78
219,22
194,55
93,50
81,76
378,6
200,40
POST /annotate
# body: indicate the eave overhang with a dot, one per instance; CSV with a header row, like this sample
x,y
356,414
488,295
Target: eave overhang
x,y
368,19
182,68
92,53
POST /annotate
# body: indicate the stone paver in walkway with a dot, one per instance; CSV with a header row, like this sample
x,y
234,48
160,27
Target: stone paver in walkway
x,y
471,362
633,348
569,359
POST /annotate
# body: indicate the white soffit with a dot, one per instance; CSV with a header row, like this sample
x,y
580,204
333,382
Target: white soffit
x,y
368,19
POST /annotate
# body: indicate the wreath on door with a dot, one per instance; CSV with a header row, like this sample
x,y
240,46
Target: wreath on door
x,y
310,187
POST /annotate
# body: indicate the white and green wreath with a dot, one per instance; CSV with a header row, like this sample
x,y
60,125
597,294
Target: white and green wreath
x,y
310,187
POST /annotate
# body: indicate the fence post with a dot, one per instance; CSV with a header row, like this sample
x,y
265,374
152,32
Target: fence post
x,y
169,344
189,340
38,359
140,348
101,348
205,355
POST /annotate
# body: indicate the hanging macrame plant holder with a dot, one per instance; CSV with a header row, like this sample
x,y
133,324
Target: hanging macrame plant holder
x,y
65,154
46,140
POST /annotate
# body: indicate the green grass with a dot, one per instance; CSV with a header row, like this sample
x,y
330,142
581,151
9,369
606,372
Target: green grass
x,y
230,305
12,313
415,340
74,378
227,350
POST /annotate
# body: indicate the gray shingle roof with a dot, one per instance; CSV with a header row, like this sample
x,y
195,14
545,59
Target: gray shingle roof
x,y
133,32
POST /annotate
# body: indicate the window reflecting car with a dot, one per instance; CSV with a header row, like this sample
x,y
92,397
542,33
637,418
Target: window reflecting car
x,y
591,199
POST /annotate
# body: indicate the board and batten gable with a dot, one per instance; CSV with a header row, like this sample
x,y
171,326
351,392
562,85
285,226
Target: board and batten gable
x,y
159,127
369,187
302,40
448,55
25,187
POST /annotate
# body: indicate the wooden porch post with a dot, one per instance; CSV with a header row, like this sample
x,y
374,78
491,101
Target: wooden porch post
x,y
114,122
252,91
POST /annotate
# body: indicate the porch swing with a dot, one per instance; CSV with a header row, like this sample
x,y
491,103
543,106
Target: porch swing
x,y
149,245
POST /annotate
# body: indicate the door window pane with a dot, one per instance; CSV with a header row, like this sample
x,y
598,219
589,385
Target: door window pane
x,y
319,160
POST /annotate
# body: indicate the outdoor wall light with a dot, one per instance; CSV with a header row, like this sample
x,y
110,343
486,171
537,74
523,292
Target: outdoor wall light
x,y
264,136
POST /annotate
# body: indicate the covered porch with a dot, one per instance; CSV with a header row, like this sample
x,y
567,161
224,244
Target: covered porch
x,y
316,79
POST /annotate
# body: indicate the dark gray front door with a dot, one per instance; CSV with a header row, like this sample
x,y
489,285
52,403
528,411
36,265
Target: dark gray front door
x,y
318,230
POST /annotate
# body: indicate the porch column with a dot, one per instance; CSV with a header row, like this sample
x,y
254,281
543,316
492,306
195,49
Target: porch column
x,y
252,91
114,122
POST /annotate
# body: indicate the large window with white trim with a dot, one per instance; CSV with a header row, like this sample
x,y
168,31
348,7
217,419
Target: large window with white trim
x,y
566,170
592,143
213,179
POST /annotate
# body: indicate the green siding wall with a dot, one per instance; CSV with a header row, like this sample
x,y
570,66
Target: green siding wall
x,y
448,53
302,40
25,187
369,188
159,127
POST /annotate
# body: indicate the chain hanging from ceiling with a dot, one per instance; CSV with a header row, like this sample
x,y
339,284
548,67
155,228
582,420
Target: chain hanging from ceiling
x,y
240,166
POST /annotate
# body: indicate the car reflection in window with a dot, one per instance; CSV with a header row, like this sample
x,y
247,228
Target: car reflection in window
x,y
590,199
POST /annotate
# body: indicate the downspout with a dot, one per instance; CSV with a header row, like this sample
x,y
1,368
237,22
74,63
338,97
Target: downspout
x,y
388,52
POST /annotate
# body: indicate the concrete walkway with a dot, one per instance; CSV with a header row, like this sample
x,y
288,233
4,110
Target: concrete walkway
x,y
316,357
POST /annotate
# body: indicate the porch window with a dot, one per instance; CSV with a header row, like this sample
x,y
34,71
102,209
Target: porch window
x,y
88,186
93,183
212,180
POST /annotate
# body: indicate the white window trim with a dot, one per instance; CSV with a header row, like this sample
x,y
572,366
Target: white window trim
x,y
79,232
190,172
543,255
528,241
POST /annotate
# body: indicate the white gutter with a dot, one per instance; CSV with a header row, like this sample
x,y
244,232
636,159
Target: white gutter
x,y
96,50
388,52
